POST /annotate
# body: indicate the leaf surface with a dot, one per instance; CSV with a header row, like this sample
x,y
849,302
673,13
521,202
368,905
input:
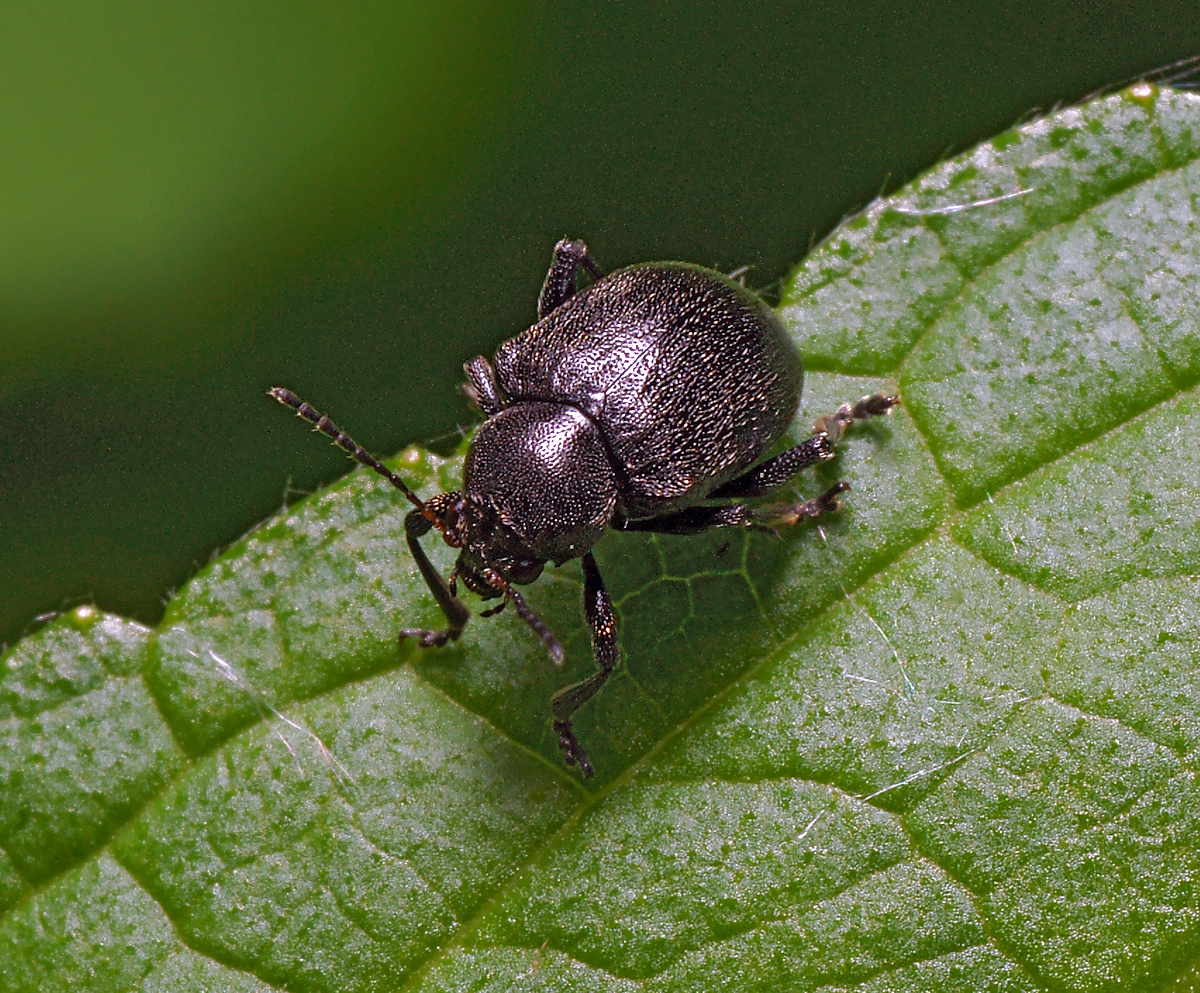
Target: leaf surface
x,y
948,740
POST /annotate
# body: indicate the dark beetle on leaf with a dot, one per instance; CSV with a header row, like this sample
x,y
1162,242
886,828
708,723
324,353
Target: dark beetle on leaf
x,y
639,403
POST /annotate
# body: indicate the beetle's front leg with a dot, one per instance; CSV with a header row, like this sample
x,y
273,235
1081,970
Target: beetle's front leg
x,y
602,619
417,524
481,389
559,287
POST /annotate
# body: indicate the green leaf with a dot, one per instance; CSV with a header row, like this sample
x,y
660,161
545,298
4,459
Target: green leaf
x,y
948,740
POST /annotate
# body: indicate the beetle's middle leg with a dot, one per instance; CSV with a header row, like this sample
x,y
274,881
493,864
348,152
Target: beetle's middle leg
x,y
455,611
773,473
559,287
602,619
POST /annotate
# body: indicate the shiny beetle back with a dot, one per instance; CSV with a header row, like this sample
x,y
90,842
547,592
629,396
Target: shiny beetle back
x,y
687,375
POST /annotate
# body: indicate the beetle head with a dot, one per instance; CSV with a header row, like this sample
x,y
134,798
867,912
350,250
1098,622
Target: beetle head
x,y
487,545
537,487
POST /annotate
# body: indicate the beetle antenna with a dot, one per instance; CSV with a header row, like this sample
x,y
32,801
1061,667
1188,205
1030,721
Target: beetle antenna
x,y
323,424
553,645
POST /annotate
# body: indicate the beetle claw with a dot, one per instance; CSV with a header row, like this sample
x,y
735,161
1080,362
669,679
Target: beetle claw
x,y
790,514
874,405
429,639
827,503
573,753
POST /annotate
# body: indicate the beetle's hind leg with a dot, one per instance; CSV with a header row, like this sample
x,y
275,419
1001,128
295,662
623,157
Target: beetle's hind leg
x,y
828,430
602,619
417,524
770,475
694,520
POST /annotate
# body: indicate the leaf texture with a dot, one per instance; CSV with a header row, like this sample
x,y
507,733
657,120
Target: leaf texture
x,y
948,740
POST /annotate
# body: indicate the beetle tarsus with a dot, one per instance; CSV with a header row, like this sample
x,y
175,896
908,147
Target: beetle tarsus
x,y
430,639
572,752
876,404
788,515
833,425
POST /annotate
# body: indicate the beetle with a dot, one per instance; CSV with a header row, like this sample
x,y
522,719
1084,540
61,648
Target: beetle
x,y
642,402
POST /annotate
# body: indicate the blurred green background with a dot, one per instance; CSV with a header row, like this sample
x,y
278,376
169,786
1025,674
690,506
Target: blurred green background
x,y
203,199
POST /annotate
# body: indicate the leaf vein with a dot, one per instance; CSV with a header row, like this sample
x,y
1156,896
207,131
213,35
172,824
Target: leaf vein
x,y
1087,443
995,940
549,947
179,935
1033,237
1124,725
629,774
558,771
